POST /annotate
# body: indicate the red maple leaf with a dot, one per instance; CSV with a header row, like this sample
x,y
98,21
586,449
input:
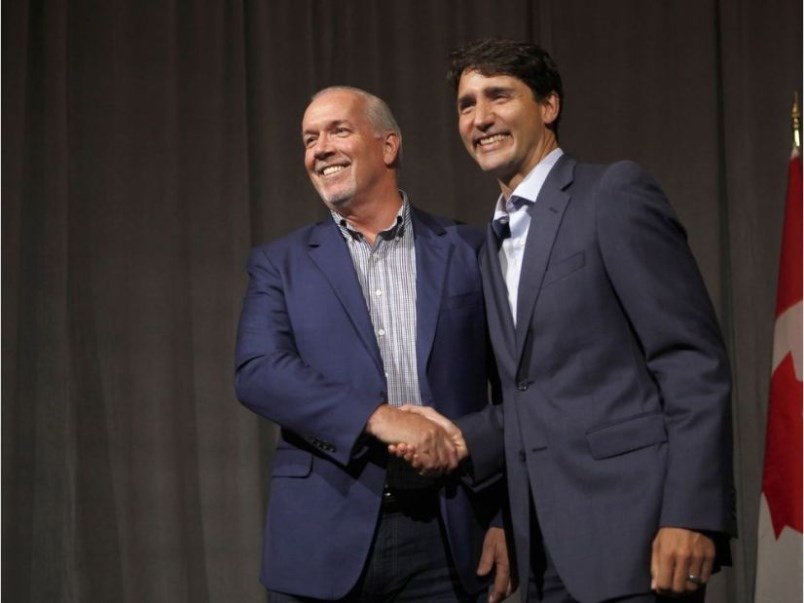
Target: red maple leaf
x,y
781,480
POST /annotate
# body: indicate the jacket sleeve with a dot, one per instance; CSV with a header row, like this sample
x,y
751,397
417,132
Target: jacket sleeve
x,y
661,290
275,381
483,433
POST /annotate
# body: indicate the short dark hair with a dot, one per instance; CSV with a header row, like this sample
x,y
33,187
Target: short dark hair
x,y
501,56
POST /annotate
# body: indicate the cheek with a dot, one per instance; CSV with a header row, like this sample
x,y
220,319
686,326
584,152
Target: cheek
x,y
465,131
309,161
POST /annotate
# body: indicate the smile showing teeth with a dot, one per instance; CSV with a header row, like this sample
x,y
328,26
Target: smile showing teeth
x,y
331,169
490,139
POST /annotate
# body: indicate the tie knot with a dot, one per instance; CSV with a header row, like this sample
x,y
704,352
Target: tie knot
x,y
515,202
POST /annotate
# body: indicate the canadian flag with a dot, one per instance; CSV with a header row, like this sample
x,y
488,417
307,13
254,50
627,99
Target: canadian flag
x,y
779,547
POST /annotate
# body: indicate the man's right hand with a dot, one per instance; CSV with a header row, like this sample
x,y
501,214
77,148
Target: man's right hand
x,y
409,450
434,448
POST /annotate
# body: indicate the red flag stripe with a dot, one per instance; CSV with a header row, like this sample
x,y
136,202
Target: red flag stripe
x,y
781,481
790,266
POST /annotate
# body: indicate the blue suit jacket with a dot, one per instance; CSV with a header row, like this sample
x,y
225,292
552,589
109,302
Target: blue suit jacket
x,y
307,359
616,385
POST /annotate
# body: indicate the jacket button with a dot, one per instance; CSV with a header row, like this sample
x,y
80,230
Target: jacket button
x,y
522,386
522,455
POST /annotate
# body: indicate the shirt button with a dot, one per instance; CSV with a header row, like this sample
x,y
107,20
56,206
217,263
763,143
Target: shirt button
x,y
381,332
378,292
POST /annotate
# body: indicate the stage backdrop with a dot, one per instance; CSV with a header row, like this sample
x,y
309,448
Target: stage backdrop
x,y
148,144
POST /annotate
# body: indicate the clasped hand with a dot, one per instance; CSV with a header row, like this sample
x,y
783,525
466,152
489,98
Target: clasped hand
x,y
427,440
418,456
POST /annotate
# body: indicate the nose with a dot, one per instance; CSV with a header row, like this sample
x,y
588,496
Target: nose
x,y
483,114
322,147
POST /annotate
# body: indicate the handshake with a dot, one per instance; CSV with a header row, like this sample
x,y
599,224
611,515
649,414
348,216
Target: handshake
x,y
426,439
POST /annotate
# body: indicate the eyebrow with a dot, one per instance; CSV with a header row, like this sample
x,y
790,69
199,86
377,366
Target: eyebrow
x,y
497,90
487,92
328,125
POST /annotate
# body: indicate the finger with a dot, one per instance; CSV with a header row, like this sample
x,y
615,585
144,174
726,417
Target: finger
x,y
654,568
445,451
452,455
700,569
486,561
428,463
706,570
501,587
402,451
694,572
502,582
681,575
708,558
693,580
665,576
663,572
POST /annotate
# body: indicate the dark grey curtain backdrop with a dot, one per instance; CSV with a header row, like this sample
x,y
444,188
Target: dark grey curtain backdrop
x,y
147,145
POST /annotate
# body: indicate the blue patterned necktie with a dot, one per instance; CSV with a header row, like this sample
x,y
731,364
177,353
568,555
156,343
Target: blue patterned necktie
x,y
501,226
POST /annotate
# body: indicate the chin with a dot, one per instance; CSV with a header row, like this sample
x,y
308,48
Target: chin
x,y
490,162
336,201
493,167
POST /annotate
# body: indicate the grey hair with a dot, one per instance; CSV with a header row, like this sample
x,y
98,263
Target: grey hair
x,y
377,111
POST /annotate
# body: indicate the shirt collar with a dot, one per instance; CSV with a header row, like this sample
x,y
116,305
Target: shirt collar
x,y
396,229
531,186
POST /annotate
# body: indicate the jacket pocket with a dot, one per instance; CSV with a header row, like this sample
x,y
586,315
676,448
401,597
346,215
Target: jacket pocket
x,y
627,435
289,462
564,268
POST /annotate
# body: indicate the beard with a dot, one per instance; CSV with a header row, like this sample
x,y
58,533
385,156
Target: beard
x,y
337,195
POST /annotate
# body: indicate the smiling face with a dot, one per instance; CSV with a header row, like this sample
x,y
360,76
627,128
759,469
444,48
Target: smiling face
x,y
503,126
346,158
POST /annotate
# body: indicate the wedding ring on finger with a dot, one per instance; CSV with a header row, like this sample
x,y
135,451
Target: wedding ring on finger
x,y
694,579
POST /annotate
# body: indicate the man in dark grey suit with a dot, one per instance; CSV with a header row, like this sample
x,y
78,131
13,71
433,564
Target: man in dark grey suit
x,y
616,384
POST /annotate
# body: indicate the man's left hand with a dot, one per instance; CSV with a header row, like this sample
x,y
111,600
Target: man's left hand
x,y
495,556
681,562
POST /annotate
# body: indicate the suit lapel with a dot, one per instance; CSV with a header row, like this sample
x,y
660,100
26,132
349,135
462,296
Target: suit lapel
x,y
495,291
329,252
432,258
546,215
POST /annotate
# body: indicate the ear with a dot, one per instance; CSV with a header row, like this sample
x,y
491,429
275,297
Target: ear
x,y
551,107
391,144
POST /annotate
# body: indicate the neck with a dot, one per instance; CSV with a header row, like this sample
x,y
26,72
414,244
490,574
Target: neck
x,y
549,144
374,214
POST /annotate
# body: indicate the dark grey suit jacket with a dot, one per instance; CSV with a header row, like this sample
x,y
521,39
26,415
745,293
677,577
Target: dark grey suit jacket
x,y
616,384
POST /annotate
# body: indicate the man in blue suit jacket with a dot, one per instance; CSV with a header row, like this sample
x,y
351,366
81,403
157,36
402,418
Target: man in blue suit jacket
x,y
616,385
345,320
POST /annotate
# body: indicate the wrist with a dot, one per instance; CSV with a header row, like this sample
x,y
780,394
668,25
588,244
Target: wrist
x,y
378,419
